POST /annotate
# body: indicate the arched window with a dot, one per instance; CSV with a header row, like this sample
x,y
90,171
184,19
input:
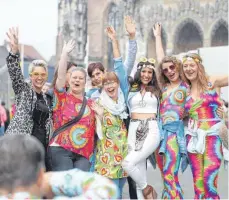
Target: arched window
x,y
219,35
188,37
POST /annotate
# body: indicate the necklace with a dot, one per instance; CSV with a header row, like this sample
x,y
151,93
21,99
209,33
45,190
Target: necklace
x,y
142,103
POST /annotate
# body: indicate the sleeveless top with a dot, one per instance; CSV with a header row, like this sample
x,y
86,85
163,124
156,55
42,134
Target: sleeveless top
x,y
143,104
172,105
204,109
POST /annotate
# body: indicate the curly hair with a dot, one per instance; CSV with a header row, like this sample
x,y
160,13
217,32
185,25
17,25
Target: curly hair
x,y
178,64
202,77
153,85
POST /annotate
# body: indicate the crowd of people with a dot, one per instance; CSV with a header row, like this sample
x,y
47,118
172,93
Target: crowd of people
x,y
91,143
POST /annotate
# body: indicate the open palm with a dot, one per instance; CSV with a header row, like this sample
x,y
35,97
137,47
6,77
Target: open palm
x,y
130,25
12,35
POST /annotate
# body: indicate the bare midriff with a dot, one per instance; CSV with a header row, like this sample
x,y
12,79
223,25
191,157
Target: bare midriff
x,y
143,115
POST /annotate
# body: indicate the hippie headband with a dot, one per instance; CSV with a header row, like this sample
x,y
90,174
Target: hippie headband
x,y
188,58
144,60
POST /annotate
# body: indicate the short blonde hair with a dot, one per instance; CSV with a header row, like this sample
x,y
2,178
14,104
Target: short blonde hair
x,y
38,63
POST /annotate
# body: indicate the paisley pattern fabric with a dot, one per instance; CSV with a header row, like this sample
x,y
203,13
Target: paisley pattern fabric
x,y
112,149
172,105
78,138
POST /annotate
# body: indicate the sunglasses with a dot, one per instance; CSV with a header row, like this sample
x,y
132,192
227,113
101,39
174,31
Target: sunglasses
x,y
36,75
111,84
150,60
171,68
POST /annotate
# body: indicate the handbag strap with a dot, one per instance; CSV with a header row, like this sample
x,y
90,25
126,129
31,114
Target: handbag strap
x,y
73,121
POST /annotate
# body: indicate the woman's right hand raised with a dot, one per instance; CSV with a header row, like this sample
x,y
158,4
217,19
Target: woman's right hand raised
x,y
157,29
111,32
68,46
12,35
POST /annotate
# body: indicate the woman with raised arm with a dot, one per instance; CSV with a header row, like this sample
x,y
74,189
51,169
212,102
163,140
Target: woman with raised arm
x,y
172,147
203,142
72,142
33,107
112,145
143,134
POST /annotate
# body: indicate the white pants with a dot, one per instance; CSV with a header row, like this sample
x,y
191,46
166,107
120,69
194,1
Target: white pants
x,y
135,162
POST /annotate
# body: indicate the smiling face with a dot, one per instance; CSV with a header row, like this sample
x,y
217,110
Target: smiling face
x,y
111,84
190,69
68,75
170,71
77,82
38,77
146,75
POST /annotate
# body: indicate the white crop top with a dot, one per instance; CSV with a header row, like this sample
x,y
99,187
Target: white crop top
x,y
146,104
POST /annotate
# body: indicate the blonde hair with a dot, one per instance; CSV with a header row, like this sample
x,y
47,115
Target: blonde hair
x,y
202,77
38,63
110,76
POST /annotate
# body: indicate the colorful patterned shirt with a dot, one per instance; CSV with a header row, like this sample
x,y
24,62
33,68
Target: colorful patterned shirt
x,y
75,184
78,138
172,105
112,149
203,110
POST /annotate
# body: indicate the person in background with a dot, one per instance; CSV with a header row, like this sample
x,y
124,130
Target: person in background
x,y
3,119
7,122
96,70
28,179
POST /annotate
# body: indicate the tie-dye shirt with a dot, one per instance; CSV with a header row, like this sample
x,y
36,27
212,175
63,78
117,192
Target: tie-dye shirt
x,y
75,184
78,138
204,109
172,104
112,149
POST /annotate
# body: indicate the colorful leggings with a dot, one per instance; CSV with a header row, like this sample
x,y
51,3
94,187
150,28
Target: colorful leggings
x,y
205,168
169,166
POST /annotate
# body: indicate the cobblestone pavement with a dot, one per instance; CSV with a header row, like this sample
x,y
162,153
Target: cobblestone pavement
x,y
186,183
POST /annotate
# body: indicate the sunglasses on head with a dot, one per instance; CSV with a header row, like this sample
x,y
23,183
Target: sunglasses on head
x,y
171,68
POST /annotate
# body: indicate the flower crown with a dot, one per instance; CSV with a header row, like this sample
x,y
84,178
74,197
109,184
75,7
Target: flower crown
x,y
144,60
190,59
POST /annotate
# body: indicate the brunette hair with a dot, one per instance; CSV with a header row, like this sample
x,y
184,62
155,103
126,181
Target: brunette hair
x,y
93,66
69,65
153,85
202,77
178,64
110,76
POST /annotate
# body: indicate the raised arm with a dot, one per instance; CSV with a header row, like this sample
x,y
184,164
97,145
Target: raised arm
x,y
13,62
132,47
219,81
118,65
159,47
79,185
62,65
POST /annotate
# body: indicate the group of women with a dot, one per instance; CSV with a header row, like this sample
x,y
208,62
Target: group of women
x,y
130,120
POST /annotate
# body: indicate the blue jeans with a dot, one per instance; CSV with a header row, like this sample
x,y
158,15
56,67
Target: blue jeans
x,y
2,128
119,182
61,159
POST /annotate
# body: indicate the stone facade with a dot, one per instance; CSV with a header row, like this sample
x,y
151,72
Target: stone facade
x,y
72,24
187,25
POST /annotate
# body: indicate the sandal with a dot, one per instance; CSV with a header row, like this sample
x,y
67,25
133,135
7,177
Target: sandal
x,y
149,192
